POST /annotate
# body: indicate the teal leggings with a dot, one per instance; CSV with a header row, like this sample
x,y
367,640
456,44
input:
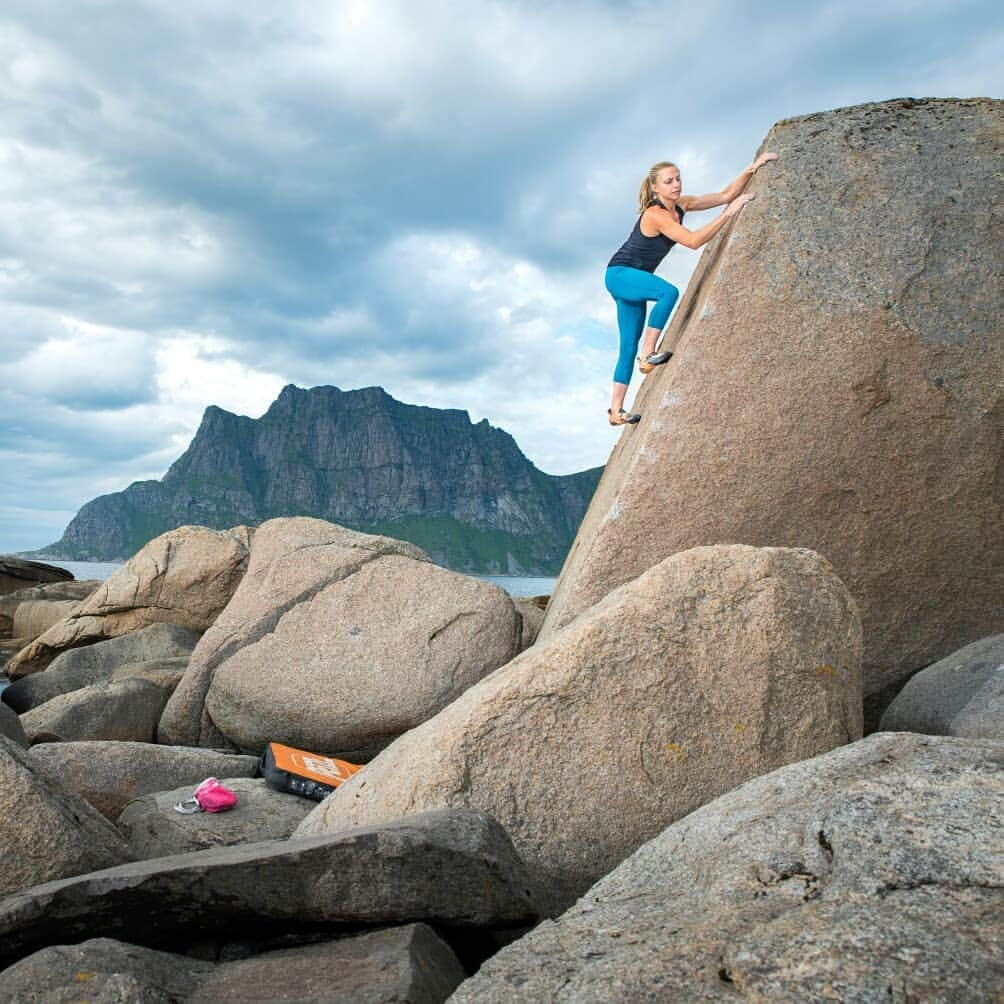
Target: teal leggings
x,y
631,289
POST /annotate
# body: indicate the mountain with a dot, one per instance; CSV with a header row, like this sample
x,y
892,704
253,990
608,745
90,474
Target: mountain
x,y
464,492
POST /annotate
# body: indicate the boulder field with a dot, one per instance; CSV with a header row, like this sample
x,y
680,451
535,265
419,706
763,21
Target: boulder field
x,y
184,577
337,641
714,666
837,384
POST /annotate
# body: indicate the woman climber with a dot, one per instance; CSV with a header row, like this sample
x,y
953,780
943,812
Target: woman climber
x,y
630,280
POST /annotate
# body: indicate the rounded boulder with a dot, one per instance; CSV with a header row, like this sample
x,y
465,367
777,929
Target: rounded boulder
x,y
338,642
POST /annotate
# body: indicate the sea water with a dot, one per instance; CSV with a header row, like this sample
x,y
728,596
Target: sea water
x,y
514,585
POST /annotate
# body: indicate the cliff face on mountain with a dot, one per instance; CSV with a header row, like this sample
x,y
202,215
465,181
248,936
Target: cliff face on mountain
x,y
464,492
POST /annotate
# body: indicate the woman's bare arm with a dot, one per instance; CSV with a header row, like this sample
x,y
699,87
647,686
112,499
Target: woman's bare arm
x,y
695,203
668,224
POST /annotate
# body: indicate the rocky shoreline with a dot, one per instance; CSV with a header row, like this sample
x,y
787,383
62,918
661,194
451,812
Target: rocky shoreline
x,y
712,770
444,847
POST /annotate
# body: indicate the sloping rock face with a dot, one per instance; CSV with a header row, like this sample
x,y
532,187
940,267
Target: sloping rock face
x,y
45,832
80,667
714,666
19,573
871,873
962,695
838,384
184,577
463,492
337,642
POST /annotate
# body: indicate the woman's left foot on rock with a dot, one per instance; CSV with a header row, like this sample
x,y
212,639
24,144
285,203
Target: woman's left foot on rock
x,y
623,417
652,360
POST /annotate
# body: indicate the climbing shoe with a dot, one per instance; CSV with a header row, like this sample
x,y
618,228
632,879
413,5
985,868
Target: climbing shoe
x,y
650,362
623,417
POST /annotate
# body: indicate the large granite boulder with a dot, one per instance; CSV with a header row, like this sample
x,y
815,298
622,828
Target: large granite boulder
x,y
402,964
126,709
80,667
962,695
47,833
69,589
716,665
183,577
110,774
19,573
838,384
872,873
153,829
338,642
452,869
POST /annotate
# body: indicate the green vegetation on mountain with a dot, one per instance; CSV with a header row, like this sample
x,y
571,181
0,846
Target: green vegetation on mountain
x,y
464,492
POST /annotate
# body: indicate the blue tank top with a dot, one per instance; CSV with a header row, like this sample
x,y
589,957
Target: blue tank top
x,y
641,252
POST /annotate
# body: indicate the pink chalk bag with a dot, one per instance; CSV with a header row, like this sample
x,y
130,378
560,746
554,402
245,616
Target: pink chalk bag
x,y
210,796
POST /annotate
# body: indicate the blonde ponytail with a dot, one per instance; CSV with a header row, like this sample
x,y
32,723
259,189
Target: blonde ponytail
x,y
645,196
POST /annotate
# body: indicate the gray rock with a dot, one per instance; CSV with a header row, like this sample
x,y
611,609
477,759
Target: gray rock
x,y
118,709
103,971
110,774
338,642
11,727
719,664
19,573
532,617
871,873
163,673
838,384
456,869
409,964
80,667
153,829
185,576
47,833
962,695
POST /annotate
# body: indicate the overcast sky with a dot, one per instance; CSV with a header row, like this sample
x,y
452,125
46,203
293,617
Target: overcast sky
x,y
202,202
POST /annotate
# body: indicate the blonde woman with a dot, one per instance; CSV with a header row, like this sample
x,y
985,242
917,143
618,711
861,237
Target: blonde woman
x,y
630,280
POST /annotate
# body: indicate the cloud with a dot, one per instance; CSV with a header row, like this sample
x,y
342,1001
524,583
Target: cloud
x,y
90,368
200,203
